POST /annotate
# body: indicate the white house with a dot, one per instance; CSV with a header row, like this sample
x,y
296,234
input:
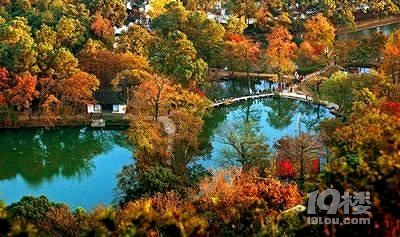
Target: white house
x,y
108,101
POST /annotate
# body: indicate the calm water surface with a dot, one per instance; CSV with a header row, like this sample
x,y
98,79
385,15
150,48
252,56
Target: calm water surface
x,y
76,166
387,29
274,117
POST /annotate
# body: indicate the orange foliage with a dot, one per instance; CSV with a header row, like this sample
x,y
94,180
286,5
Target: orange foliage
x,y
60,221
78,89
102,27
391,56
105,64
231,193
4,80
241,53
23,92
281,50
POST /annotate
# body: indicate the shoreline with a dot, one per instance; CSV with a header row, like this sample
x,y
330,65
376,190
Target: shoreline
x,y
369,25
40,123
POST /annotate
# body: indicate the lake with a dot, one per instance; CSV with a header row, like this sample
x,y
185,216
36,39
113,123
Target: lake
x,y
386,29
73,165
273,117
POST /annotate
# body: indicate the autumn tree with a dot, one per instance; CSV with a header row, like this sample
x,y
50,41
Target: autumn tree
x,y
113,10
70,33
320,34
45,39
242,54
201,5
391,57
102,28
151,96
302,153
158,7
135,40
244,200
64,64
364,156
105,65
17,48
23,92
4,85
183,64
236,25
244,146
77,90
281,52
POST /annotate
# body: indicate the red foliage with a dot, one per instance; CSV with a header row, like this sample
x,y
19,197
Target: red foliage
x,y
391,108
315,166
23,92
285,169
4,80
234,37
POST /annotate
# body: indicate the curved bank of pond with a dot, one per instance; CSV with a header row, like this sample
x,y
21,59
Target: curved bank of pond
x,y
273,117
72,165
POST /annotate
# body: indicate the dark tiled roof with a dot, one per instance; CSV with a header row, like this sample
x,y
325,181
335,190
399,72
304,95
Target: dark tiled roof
x,y
109,96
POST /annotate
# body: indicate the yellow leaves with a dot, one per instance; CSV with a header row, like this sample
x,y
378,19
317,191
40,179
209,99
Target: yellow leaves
x,y
320,33
391,55
148,216
157,7
281,50
69,32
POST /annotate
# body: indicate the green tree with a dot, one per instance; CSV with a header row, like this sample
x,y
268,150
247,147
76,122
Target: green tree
x,y
181,56
206,35
136,40
244,145
134,184
17,47
174,18
64,64
32,209
338,90
70,33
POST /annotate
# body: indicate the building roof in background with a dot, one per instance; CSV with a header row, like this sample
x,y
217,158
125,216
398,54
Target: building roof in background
x,y
109,96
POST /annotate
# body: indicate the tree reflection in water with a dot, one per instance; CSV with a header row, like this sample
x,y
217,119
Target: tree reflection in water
x,y
281,112
276,117
38,155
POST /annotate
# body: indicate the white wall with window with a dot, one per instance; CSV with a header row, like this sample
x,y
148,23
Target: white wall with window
x,y
119,109
94,108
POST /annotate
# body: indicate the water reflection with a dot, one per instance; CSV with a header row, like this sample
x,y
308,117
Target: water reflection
x,y
38,155
275,118
236,88
280,112
387,29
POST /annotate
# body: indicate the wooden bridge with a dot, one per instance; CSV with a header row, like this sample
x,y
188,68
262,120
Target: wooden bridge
x,y
285,94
